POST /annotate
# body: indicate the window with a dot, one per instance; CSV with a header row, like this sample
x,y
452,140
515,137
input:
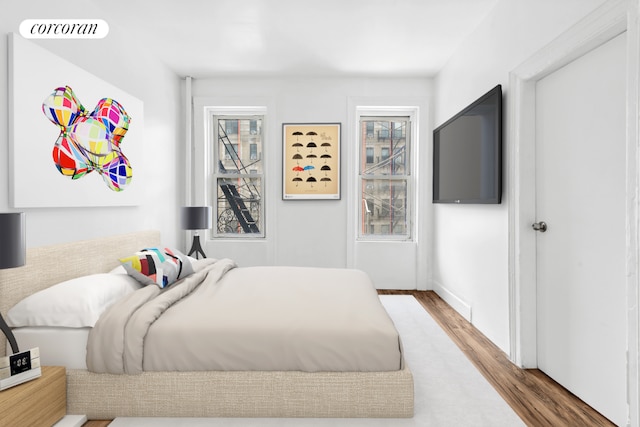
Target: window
x,y
231,126
385,178
370,154
238,173
370,129
231,151
384,153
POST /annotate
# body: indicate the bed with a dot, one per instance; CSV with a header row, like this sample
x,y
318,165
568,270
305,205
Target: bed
x,y
226,391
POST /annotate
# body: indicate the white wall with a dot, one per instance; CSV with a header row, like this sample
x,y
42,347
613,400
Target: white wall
x,y
319,232
125,64
470,250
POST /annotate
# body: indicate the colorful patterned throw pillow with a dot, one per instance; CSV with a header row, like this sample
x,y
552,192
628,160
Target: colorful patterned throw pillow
x,y
160,266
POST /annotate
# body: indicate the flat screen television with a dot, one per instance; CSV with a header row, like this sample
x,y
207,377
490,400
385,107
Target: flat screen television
x,y
467,153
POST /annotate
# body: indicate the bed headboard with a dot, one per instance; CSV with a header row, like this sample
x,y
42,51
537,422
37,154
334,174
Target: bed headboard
x,y
48,265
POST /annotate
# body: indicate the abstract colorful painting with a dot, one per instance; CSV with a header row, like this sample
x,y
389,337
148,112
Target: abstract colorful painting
x,y
89,141
88,148
311,161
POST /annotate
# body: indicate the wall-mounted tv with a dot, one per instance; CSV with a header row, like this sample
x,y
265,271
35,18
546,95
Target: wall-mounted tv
x,y
467,153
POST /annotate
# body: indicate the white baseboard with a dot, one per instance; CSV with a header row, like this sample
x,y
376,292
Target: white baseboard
x,y
450,298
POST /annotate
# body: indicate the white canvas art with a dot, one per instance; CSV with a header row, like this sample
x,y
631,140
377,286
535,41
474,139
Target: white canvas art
x,y
35,180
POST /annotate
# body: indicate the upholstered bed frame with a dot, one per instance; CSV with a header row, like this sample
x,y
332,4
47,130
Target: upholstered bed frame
x,y
198,394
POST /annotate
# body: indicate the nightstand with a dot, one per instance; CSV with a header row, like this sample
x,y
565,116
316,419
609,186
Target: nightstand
x,y
39,402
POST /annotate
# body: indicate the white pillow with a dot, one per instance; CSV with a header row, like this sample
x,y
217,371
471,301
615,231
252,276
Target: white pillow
x,y
76,303
118,270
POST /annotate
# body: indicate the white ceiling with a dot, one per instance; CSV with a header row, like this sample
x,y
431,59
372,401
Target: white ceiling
x,y
203,38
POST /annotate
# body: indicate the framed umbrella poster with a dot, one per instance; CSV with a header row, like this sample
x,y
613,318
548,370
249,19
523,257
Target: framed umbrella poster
x,y
311,163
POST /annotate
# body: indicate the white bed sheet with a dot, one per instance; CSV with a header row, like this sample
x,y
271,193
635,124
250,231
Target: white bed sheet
x,y
58,346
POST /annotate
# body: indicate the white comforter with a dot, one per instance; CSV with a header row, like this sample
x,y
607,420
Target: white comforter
x,y
252,318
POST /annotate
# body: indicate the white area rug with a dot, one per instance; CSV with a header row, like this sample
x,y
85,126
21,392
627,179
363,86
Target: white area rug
x,y
449,391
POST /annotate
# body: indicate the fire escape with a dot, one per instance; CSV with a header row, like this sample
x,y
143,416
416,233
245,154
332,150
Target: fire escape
x,y
389,166
240,197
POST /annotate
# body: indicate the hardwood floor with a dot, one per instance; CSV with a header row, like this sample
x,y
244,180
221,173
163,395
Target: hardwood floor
x,y
535,397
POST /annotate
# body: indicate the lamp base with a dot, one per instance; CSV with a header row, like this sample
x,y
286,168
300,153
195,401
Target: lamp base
x,y
7,333
196,248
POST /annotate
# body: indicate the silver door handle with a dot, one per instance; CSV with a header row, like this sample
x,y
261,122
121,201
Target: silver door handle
x,y
539,226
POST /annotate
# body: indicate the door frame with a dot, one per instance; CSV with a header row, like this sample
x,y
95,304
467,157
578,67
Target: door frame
x,y
606,22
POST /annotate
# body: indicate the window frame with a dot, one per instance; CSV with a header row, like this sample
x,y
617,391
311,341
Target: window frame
x,y
213,172
390,114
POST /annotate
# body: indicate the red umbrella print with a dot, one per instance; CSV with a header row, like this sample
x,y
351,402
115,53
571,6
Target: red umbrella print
x,y
297,169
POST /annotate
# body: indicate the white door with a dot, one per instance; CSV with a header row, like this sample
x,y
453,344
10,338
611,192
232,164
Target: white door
x,y
580,195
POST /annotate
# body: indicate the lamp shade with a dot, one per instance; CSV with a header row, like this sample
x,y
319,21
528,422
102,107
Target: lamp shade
x,y
12,240
196,217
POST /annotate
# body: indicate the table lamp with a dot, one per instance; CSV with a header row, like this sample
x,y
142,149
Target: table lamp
x,y
12,254
196,218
